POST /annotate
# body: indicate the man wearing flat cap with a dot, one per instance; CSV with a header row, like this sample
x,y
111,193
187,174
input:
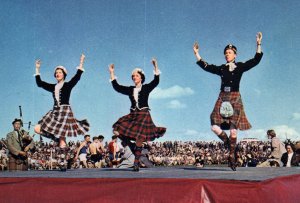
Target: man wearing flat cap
x,y
17,149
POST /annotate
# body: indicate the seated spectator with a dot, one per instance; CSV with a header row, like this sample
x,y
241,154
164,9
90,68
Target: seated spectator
x,y
277,149
127,158
144,159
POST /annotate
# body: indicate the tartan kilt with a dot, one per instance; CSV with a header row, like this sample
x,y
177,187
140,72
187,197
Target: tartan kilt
x,y
238,120
61,122
138,125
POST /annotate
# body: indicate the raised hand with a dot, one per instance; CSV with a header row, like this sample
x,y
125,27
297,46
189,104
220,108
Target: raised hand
x,y
38,64
196,51
196,48
82,57
154,62
258,38
111,68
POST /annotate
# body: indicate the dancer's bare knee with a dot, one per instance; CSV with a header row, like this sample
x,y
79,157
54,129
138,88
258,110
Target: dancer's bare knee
x,y
233,133
216,129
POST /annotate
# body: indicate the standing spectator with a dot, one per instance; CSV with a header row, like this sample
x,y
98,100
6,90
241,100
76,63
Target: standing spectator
x,y
289,157
113,149
94,150
100,144
17,151
82,151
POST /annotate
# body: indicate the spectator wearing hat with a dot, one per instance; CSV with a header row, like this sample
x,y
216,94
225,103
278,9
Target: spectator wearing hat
x,y
60,121
137,125
289,158
17,149
228,113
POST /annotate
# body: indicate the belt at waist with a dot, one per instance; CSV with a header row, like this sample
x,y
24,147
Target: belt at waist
x,y
229,89
140,109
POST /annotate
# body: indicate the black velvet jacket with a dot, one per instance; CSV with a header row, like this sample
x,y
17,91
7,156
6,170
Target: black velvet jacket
x,y
65,91
284,159
143,94
228,78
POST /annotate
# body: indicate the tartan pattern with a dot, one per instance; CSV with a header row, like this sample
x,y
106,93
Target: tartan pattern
x,y
61,122
138,125
238,120
15,164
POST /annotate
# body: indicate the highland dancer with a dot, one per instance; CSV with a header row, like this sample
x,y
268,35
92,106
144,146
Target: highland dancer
x,y
228,113
60,121
138,124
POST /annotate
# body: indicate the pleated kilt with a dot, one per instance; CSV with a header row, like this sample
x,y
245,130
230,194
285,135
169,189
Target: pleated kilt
x,y
61,122
238,120
138,125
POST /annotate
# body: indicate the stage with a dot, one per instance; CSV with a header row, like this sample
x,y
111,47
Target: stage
x,y
160,184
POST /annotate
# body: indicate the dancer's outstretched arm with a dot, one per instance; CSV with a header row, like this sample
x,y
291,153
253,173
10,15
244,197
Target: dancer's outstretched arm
x,y
196,51
111,69
80,70
258,42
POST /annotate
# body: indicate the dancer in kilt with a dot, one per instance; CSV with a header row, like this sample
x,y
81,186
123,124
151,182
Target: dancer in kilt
x,y
60,121
138,124
228,113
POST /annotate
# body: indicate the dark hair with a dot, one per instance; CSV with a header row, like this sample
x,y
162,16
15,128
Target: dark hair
x,y
17,120
95,138
142,76
65,75
114,137
271,133
291,145
124,143
100,137
230,46
86,136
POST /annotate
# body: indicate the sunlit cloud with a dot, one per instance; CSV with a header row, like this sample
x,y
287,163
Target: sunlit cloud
x,y
175,104
175,91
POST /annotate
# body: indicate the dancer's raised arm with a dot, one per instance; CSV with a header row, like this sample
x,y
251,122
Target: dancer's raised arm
x,y
111,69
258,42
196,51
82,58
156,70
37,66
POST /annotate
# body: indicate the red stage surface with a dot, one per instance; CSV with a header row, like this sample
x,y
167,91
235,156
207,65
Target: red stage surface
x,y
282,189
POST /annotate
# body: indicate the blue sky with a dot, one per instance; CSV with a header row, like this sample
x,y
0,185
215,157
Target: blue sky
x,y
129,33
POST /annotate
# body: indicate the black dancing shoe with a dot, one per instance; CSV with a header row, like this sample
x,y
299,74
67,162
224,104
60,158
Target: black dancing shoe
x,y
136,168
231,163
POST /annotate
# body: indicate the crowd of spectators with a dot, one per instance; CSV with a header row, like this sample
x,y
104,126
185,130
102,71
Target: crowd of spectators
x,y
48,156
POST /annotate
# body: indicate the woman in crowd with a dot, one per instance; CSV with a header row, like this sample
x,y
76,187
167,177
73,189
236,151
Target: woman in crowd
x,y
289,158
228,113
60,121
138,124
